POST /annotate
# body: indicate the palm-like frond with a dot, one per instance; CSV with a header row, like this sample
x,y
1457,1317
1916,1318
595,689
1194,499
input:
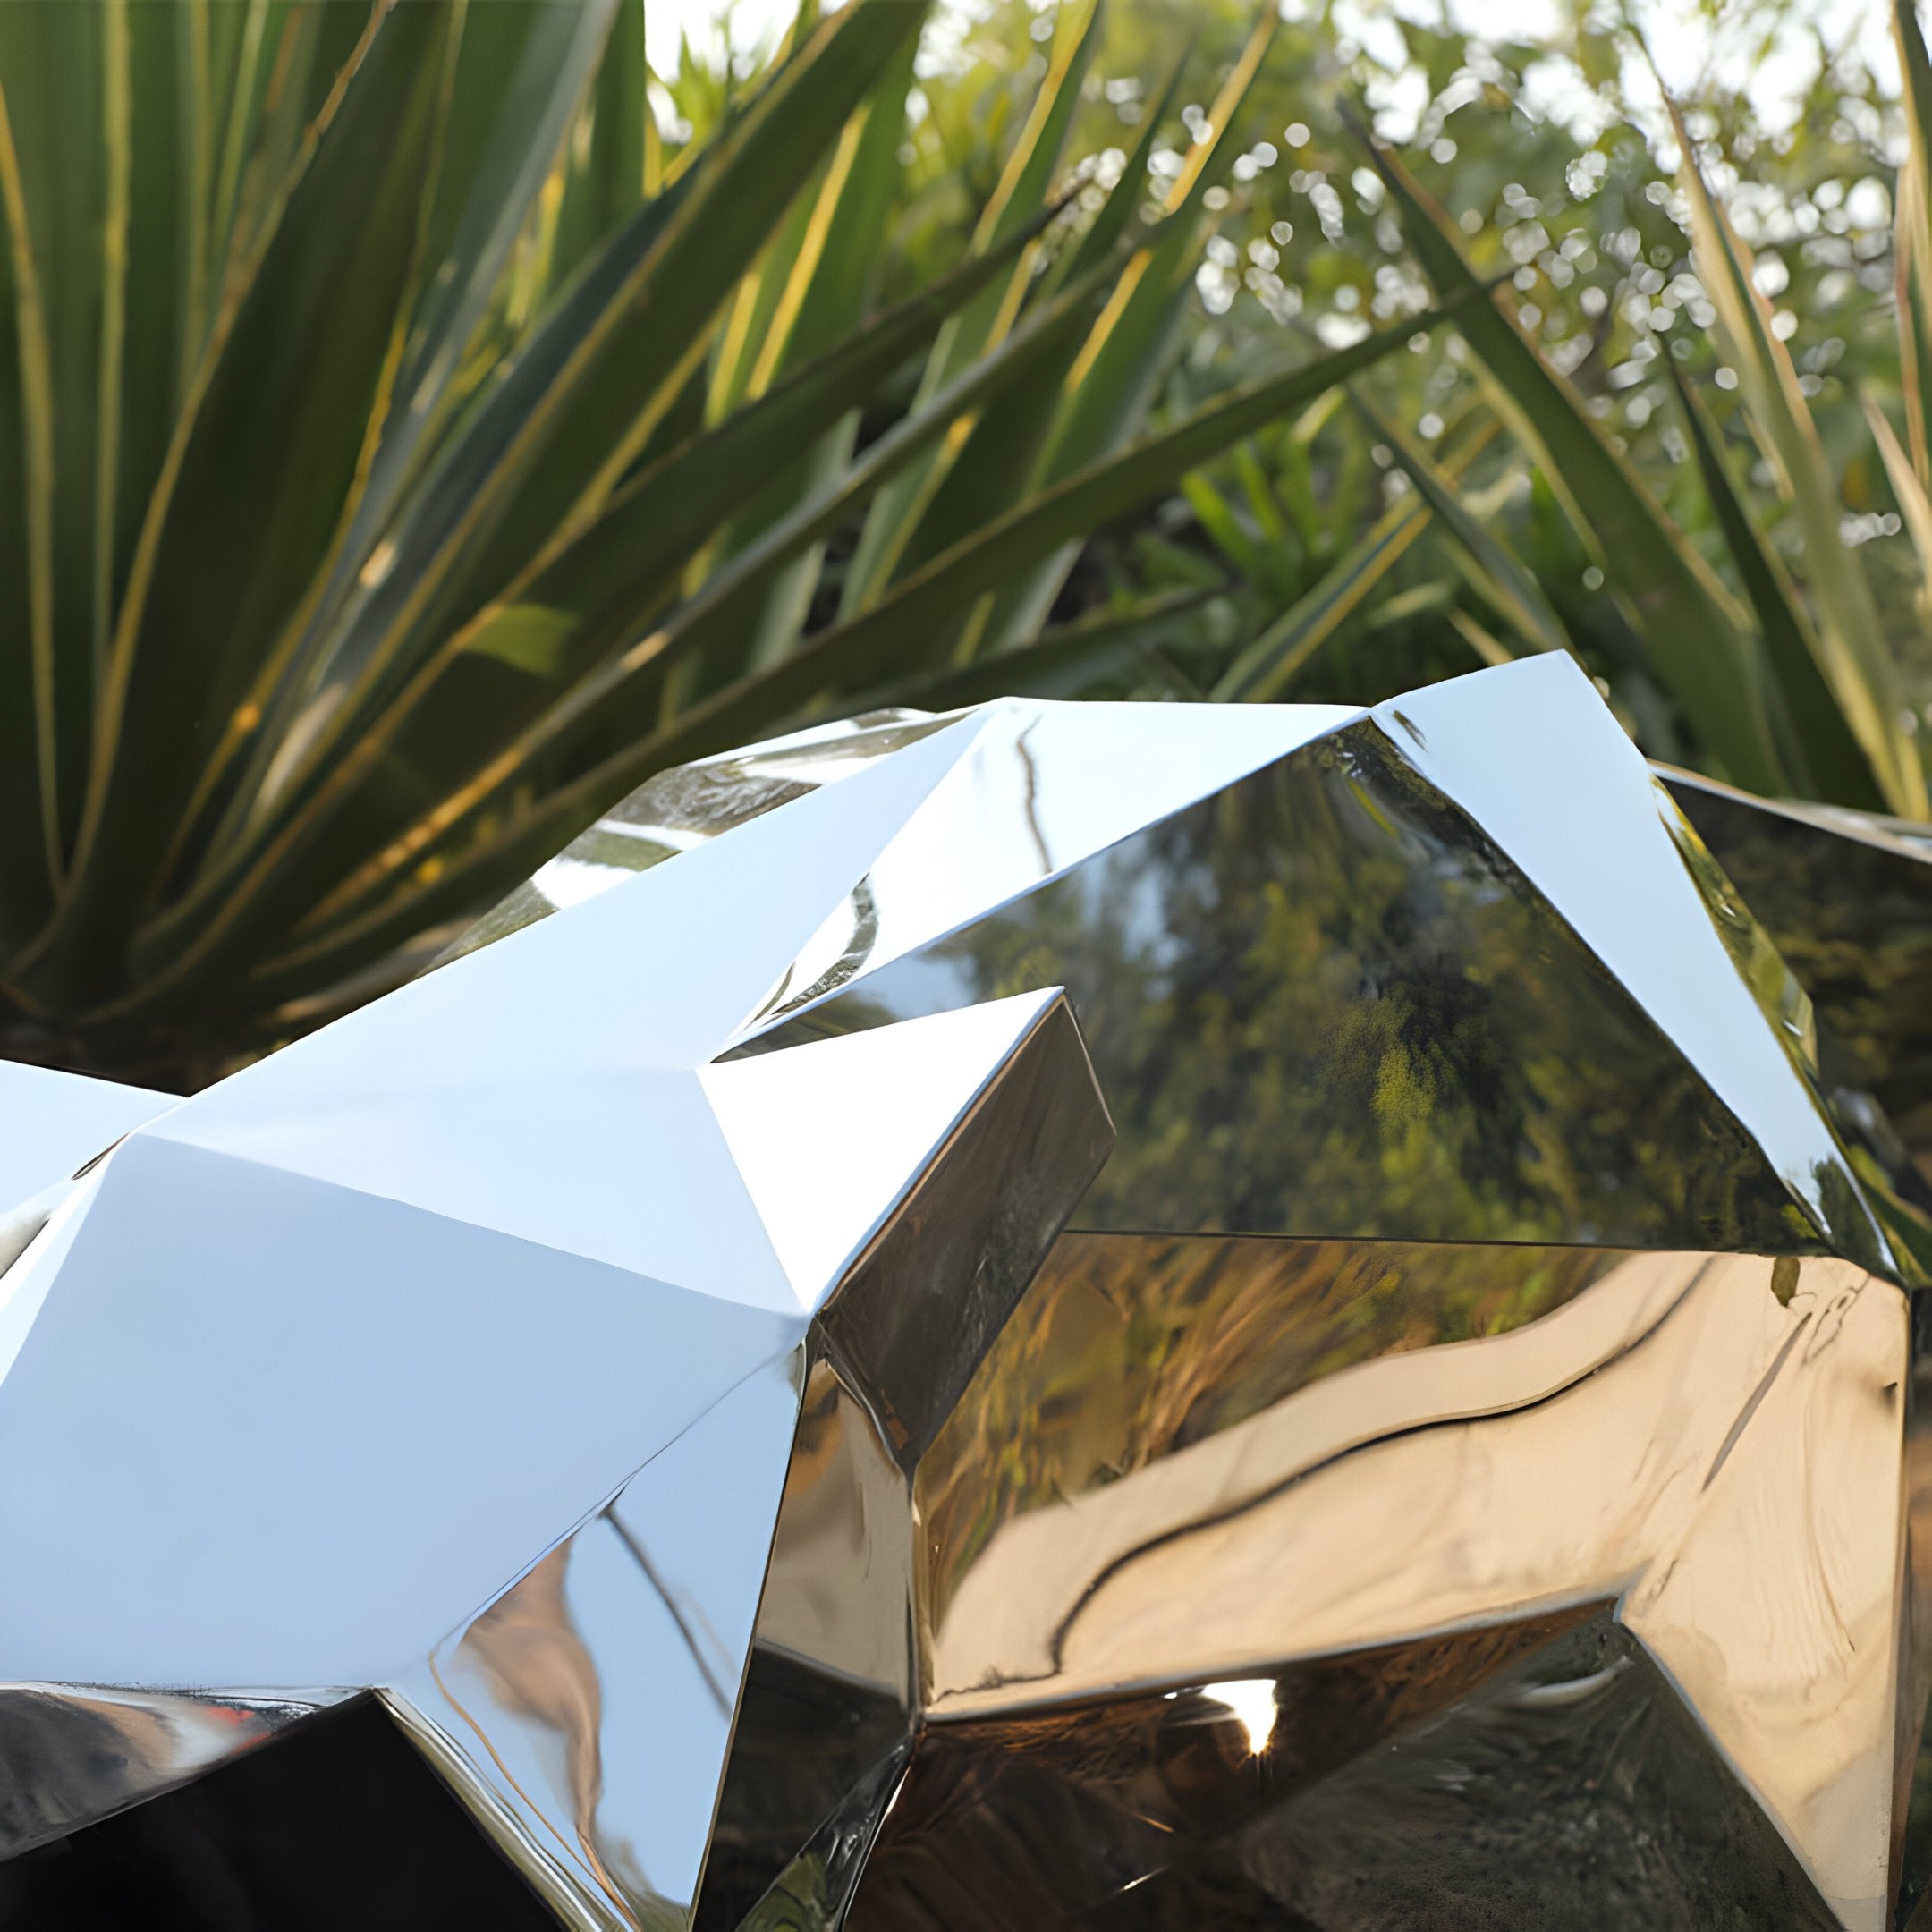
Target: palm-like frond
x,y
410,462
1793,689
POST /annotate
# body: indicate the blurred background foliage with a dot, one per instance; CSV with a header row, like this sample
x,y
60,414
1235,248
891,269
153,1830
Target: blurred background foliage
x,y
1326,558
421,423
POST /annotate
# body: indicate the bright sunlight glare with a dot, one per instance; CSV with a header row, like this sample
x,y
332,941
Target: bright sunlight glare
x,y
1252,1700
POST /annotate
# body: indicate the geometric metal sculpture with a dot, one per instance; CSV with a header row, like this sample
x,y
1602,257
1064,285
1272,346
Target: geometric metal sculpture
x,y
1118,1316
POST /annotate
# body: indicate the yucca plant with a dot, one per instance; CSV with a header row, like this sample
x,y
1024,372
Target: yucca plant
x,y
401,455
1780,669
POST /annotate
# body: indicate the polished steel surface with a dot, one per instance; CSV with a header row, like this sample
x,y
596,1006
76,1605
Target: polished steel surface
x,y
1579,814
460,1358
1329,1000
1106,1317
1712,1442
52,1123
1847,899
689,805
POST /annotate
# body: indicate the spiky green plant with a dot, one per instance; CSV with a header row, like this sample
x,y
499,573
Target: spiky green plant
x,y
1781,669
401,458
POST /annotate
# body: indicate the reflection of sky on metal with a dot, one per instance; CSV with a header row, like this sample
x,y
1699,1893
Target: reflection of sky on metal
x,y
488,1313
1576,808
51,1124
659,1592
1040,787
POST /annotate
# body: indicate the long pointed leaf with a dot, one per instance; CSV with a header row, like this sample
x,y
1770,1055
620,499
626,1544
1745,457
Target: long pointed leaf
x,y
1023,187
593,595
1062,662
519,72
851,653
611,362
1111,383
228,557
826,296
1825,750
269,893
1915,505
1509,588
1000,458
56,66
858,647
30,867
1912,237
1266,666
1692,635
604,185
1845,629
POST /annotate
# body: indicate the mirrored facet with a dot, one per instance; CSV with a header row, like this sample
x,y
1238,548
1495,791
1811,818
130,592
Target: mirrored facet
x,y
326,1375
1324,1001
52,1123
1541,1772
837,1675
71,1753
1847,899
1343,1447
690,804
829,1700
1118,1317
1042,787
1578,813
547,1088
336,1822
821,1134
585,1714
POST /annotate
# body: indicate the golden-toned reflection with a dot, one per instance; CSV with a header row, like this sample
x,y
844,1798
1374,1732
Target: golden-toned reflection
x,y
538,1670
1540,1773
1713,1441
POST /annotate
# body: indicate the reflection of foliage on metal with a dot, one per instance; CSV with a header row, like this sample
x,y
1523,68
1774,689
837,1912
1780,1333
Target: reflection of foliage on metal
x,y
1325,1001
1135,1345
1848,900
1228,1307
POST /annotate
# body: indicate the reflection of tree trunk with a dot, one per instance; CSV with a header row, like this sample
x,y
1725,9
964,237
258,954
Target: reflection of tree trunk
x,y
642,1558
1032,803
538,1668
